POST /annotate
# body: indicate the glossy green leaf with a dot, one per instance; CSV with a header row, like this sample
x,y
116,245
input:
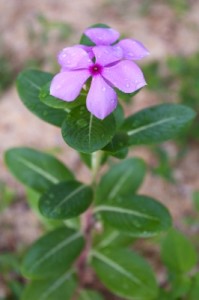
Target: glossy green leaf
x,y
51,101
65,200
85,133
181,284
110,237
157,123
177,252
121,154
122,179
29,84
53,253
36,169
119,116
194,290
118,143
89,295
33,201
139,215
125,273
56,288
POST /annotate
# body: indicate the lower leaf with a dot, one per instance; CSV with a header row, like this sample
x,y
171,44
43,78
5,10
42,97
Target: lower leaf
x,y
125,273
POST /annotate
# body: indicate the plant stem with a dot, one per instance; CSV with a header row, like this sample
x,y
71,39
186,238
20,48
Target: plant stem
x,y
87,225
95,165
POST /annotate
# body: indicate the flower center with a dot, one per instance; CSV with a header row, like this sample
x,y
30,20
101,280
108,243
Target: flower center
x,y
95,69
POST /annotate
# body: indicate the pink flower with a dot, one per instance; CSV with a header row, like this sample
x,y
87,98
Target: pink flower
x,y
108,66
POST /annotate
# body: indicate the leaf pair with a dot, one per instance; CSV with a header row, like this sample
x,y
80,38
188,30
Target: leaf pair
x,y
62,196
118,206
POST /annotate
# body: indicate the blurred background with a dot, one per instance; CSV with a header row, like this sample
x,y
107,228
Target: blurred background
x,y
31,34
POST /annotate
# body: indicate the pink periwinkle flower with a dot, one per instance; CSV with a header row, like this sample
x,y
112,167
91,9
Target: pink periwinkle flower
x,y
108,65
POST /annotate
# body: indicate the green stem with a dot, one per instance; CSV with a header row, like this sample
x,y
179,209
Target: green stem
x,y
95,165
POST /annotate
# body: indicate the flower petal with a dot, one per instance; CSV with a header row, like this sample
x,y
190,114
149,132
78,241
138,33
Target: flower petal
x,y
133,49
101,99
125,75
88,49
74,58
67,85
102,36
106,55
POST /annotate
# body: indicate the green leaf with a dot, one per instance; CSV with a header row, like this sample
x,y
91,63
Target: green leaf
x,y
139,215
164,295
118,143
62,287
194,290
178,253
33,201
36,169
85,133
112,238
51,101
119,116
157,124
29,84
180,286
122,179
89,295
65,200
125,273
53,253
85,40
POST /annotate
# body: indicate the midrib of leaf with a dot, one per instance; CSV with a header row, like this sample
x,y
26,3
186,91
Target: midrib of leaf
x,y
89,130
142,128
85,296
107,241
122,210
32,83
119,184
56,285
38,170
53,251
82,187
115,266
